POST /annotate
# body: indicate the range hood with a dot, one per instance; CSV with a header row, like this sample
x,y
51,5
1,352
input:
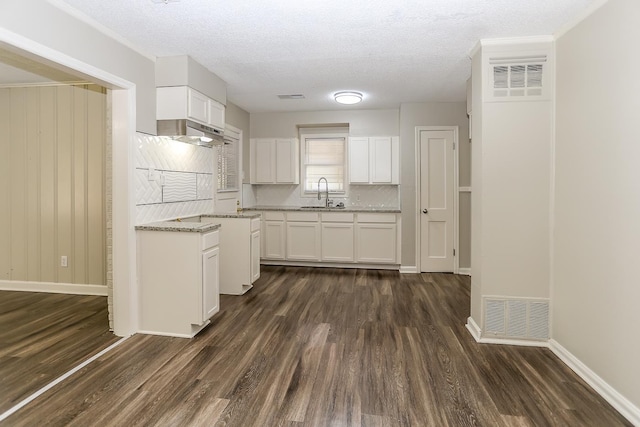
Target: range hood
x,y
191,132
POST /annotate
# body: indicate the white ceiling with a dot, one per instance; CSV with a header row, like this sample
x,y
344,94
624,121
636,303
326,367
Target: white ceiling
x,y
394,51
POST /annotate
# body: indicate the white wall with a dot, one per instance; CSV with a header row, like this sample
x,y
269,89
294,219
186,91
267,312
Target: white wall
x,y
361,122
43,23
597,195
477,170
516,164
511,196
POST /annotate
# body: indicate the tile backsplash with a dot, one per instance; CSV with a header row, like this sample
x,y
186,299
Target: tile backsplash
x,y
172,179
357,195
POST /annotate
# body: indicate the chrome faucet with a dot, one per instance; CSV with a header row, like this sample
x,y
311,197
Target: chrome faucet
x,y
326,184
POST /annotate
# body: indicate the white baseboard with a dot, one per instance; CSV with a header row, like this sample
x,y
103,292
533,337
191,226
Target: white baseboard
x,y
330,264
408,269
464,271
474,329
615,399
476,333
54,288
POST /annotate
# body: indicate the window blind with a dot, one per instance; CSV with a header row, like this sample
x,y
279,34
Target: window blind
x,y
228,164
324,157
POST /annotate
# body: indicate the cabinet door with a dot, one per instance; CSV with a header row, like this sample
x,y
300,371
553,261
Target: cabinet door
x,y
216,114
376,243
303,241
255,256
337,242
359,160
210,283
264,161
274,240
197,106
381,160
286,161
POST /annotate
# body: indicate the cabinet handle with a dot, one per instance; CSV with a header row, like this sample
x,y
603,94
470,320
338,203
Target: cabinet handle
x,y
425,211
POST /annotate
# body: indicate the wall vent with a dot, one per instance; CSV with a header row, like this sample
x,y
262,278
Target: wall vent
x,y
292,96
519,318
517,77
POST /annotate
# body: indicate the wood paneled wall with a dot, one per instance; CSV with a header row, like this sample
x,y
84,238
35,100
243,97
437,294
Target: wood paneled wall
x,y
52,184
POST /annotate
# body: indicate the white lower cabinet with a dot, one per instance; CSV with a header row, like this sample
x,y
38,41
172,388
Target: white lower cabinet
x,y
273,235
255,255
240,245
337,242
336,237
376,237
178,274
303,241
211,281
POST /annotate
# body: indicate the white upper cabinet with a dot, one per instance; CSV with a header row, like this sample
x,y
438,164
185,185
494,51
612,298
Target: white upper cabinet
x,y
215,112
182,102
274,161
374,160
197,106
359,160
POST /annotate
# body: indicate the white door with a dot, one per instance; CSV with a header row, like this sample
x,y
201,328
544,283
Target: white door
x,y
436,200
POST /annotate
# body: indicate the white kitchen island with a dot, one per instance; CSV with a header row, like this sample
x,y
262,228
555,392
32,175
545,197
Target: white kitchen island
x,y
178,274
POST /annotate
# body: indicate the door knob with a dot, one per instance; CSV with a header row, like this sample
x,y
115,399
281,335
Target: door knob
x,y
425,211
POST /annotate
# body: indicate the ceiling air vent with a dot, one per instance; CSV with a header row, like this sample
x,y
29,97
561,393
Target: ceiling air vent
x,y
517,77
292,96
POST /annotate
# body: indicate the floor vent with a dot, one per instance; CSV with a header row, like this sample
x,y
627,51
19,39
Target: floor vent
x,y
520,318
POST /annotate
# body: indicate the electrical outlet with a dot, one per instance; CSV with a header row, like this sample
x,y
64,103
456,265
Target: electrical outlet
x,y
63,261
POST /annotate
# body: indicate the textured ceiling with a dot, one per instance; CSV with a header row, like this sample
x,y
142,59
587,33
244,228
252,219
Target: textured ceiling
x,y
393,51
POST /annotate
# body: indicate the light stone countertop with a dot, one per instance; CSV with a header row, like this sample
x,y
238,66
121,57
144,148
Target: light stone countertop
x,y
193,223
186,226
243,214
368,209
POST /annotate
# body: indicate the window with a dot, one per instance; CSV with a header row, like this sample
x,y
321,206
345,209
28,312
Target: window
x,y
323,156
228,167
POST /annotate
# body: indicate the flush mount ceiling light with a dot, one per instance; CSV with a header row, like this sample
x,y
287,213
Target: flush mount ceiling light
x,y
347,97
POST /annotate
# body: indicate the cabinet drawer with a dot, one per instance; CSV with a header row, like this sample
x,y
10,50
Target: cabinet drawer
x,y
336,217
302,216
273,216
255,224
376,217
210,240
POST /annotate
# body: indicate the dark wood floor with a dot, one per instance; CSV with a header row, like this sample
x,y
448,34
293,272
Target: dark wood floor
x,y
42,336
327,347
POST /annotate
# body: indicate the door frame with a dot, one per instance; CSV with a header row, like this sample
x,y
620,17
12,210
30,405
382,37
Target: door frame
x,y
456,193
123,128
